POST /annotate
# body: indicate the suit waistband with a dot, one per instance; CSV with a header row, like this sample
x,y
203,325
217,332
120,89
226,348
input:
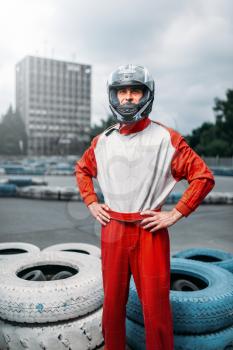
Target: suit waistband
x,y
129,216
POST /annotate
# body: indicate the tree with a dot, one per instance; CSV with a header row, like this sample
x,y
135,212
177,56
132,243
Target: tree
x,y
13,137
224,119
216,139
195,138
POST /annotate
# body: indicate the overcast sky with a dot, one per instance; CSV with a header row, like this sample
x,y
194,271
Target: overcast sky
x,y
185,44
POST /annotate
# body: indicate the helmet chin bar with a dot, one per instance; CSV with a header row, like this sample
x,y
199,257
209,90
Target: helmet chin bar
x,y
130,118
128,109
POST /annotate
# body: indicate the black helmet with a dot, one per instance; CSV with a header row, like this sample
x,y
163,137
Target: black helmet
x,y
133,76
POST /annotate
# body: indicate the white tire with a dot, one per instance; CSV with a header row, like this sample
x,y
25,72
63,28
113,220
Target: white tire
x,y
16,249
83,248
50,301
79,334
33,192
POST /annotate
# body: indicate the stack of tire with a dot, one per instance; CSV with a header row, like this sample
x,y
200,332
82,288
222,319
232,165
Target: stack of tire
x,y
201,298
49,192
52,299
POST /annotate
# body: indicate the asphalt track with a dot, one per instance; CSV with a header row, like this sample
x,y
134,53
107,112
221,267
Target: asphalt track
x,y
47,222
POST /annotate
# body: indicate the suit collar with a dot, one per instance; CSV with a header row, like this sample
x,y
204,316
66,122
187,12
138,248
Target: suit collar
x,y
126,129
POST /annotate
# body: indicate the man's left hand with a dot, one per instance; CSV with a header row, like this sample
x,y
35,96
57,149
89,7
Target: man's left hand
x,y
160,220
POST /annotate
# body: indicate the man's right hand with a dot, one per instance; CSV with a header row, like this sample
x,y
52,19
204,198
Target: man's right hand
x,y
99,211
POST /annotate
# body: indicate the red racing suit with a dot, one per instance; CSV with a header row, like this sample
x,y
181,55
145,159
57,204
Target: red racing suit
x,y
137,166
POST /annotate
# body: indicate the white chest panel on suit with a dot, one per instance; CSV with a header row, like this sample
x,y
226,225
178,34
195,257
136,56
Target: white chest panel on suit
x,y
134,170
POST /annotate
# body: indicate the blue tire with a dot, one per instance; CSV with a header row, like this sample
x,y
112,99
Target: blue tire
x,y
7,190
222,340
213,256
20,182
204,311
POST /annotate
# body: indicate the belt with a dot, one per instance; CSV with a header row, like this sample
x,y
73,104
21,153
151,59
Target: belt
x,y
129,216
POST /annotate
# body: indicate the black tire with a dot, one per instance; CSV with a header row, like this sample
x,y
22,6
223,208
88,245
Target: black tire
x,y
222,340
213,256
206,310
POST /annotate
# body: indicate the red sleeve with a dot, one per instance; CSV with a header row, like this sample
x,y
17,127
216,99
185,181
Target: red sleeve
x,y
186,164
85,169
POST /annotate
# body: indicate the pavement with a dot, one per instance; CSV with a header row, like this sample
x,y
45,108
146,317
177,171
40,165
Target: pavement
x,y
45,223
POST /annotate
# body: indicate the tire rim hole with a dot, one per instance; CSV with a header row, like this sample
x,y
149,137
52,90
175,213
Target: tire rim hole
x,y
204,258
76,251
192,282
9,251
50,272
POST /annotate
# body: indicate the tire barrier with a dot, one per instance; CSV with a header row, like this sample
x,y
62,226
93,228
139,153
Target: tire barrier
x,y
23,182
69,193
221,171
80,334
49,192
221,340
83,248
60,172
51,300
72,193
213,256
32,192
205,310
39,182
8,190
16,249
20,182
3,181
219,198
12,169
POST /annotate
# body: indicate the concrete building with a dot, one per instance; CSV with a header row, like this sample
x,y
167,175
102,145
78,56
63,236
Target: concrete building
x,y
54,100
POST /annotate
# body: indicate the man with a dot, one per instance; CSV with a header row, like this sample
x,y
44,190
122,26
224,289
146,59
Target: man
x,y
137,163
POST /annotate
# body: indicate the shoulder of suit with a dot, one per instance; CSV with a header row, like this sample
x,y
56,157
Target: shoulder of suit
x,y
174,135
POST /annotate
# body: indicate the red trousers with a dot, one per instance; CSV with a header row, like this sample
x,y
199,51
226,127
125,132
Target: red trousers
x,y
127,249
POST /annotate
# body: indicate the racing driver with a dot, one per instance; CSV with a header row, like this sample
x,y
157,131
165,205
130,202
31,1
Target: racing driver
x,y
137,163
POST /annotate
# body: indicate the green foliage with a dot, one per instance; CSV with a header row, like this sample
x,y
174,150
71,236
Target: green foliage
x,y
12,134
216,139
